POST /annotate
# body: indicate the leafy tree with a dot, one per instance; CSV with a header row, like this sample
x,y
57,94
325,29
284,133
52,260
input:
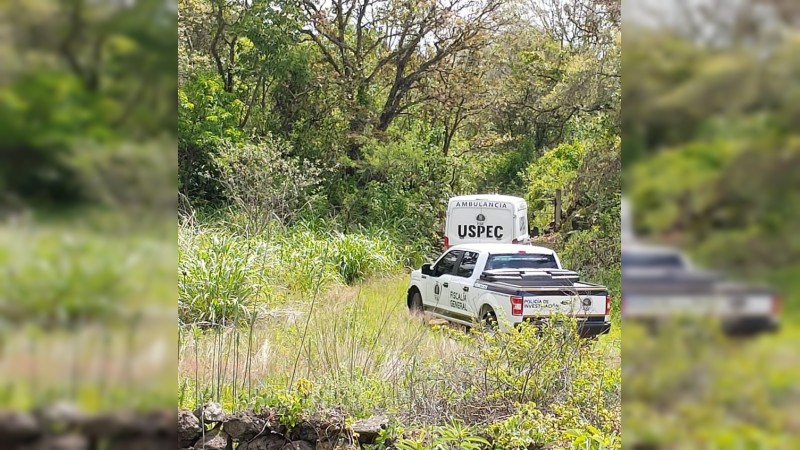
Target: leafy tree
x,y
401,104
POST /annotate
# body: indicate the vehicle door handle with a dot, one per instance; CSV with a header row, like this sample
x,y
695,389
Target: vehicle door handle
x,y
445,284
466,288
565,302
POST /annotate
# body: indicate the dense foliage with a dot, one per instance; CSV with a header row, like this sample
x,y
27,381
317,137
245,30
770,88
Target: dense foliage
x,y
380,110
88,127
318,144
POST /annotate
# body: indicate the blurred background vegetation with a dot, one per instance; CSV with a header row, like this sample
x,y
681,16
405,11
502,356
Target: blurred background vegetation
x,y
88,119
87,87
710,139
710,155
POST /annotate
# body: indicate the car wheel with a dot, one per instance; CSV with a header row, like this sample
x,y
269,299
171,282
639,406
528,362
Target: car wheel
x,y
415,305
489,319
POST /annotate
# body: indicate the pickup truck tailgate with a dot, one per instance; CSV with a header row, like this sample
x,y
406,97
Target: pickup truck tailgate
x,y
714,304
579,304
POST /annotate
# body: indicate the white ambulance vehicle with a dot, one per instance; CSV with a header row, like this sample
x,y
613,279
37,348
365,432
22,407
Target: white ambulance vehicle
x,y
486,218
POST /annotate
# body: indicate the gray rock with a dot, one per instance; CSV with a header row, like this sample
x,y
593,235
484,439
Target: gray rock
x,y
211,413
215,439
368,429
318,428
245,425
60,416
63,442
329,445
18,427
188,428
267,442
114,424
139,443
162,422
298,445
306,431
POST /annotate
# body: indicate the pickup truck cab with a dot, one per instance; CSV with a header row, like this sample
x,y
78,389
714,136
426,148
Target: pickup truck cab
x,y
506,284
486,218
660,282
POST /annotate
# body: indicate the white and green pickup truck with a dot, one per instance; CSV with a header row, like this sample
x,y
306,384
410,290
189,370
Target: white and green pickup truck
x,y
507,284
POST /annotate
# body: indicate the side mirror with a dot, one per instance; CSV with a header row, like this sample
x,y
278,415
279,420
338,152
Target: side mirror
x,y
427,270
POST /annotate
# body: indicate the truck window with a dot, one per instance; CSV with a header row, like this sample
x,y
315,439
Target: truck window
x,y
447,264
521,261
467,265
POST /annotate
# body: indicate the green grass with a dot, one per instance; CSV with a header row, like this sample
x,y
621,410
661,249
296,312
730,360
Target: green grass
x,y
358,348
227,276
86,312
305,320
693,389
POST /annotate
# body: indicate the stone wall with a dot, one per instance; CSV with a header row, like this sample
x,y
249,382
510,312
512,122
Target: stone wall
x,y
211,428
63,427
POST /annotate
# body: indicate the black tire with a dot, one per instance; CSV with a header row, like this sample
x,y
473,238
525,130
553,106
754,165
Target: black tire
x,y
489,319
415,304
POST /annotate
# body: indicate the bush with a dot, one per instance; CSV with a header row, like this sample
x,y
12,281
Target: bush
x,y
228,274
555,169
137,176
589,251
264,184
51,278
219,280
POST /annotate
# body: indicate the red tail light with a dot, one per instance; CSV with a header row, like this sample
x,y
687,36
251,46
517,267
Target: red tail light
x,y
446,242
776,305
516,306
608,304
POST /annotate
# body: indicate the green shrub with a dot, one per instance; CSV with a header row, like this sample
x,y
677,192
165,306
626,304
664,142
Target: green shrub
x,y
55,278
589,251
219,278
445,437
555,169
138,176
226,275
264,183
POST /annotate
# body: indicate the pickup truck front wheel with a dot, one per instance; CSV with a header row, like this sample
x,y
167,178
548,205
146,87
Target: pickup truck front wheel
x,y
415,303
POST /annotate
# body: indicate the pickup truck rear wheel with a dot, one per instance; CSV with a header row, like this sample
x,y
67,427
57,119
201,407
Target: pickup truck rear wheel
x,y
489,318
